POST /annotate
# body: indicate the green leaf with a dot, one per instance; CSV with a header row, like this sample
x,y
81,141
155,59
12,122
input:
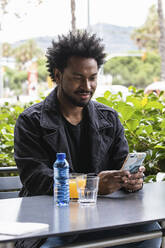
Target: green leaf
x,y
160,147
135,101
132,88
3,116
104,101
132,124
149,179
2,156
125,110
107,94
154,105
149,129
162,125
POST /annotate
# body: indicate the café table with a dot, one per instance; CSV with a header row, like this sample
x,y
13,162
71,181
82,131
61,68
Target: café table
x,y
113,211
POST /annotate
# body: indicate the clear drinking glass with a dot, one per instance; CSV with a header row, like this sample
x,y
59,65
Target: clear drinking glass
x,y
88,190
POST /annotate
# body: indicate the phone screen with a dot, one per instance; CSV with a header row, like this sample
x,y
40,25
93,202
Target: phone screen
x,y
134,161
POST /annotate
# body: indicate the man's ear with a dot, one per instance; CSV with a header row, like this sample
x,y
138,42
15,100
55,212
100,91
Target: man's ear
x,y
57,75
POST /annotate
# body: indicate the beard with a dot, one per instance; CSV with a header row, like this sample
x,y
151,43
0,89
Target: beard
x,y
74,101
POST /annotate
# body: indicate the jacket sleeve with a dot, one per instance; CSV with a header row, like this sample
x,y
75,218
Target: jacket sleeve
x,y
119,149
31,158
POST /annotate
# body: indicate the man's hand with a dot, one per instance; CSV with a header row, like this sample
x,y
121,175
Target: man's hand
x,y
135,181
111,181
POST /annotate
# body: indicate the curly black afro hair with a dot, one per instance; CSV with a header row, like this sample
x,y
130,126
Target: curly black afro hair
x,y
82,44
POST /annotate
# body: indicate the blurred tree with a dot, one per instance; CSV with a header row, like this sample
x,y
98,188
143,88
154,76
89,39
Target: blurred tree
x,y
133,70
151,36
26,52
42,70
161,39
73,8
147,36
4,4
6,50
15,78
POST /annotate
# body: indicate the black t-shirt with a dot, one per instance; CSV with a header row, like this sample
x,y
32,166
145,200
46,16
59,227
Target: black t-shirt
x,y
77,136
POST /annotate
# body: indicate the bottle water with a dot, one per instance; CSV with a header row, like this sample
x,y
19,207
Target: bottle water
x,y
61,180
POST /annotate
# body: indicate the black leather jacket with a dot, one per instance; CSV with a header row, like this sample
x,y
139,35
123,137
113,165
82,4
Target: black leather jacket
x,y
39,135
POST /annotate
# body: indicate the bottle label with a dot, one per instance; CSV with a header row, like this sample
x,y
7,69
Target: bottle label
x,y
61,173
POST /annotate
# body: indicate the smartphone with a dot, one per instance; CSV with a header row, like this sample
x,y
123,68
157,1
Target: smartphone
x,y
134,161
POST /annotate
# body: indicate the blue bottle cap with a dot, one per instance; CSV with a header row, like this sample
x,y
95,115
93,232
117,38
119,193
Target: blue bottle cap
x,y
60,156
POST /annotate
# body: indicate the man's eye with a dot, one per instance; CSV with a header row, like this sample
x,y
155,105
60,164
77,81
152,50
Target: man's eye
x,y
93,78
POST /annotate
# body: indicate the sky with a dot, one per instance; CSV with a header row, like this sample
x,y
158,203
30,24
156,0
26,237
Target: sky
x,y
53,17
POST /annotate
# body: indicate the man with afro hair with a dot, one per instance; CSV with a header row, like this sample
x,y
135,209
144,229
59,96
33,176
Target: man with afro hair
x,y
88,132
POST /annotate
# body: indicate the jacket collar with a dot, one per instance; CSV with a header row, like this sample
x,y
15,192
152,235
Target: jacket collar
x,y
50,114
51,117
96,117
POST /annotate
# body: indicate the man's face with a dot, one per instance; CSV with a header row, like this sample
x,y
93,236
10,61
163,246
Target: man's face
x,y
78,82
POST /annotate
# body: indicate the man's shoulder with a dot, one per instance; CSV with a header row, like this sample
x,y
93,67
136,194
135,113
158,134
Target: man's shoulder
x,y
33,109
30,116
104,109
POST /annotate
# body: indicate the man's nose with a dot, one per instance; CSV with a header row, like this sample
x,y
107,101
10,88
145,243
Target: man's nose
x,y
86,84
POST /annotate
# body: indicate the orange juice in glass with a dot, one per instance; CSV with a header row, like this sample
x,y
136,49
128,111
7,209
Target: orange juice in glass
x,y
73,177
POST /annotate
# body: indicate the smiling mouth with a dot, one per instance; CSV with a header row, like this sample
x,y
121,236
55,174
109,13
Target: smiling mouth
x,y
84,95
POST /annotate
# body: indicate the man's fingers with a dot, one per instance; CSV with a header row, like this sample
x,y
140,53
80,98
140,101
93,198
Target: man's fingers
x,y
134,187
135,181
115,173
137,175
120,177
134,184
142,169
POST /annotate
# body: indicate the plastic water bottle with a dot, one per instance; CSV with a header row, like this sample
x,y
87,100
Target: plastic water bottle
x,y
61,180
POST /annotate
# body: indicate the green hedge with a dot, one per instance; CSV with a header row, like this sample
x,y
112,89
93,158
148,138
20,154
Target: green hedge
x,y
8,116
143,118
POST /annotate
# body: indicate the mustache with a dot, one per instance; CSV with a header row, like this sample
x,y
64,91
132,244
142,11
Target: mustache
x,y
84,91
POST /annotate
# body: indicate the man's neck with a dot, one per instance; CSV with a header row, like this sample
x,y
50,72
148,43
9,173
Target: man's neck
x,y
72,113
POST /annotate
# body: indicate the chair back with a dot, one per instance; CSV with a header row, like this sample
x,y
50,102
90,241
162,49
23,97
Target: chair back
x,y
9,185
